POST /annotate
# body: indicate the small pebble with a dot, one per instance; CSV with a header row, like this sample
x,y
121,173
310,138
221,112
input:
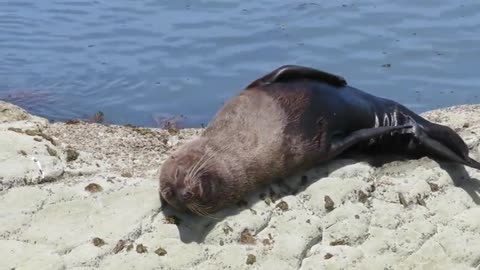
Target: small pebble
x,y
98,242
282,205
329,204
119,247
72,155
433,187
141,248
127,174
247,238
328,256
251,259
93,188
160,252
402,200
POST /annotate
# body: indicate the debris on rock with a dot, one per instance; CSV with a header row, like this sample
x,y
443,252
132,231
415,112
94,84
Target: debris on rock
x,y
251,259
247,238
329,204
93,188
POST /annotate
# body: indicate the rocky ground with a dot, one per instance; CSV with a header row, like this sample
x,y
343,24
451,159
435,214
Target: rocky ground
x,y
84,196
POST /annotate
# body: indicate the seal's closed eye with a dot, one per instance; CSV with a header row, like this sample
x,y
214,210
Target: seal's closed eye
x,y
292,72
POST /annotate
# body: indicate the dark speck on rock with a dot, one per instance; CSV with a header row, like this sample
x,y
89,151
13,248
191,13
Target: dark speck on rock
x,y
421,201
141,248
247,238
329,204
328,256
72,122
127,174
52,152
227,229
93,188
362,196
402,199
32,132
119,247
338,242
433,187
160,251
72,155
18,130
282,205
98,242
251,259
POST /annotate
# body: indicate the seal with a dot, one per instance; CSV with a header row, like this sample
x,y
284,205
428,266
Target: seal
x,y
292,119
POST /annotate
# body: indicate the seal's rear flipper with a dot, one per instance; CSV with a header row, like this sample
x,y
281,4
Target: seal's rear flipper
x,y
448,137
438,148
340,145
293,72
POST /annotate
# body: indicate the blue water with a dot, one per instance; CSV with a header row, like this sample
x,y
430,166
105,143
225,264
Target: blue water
x,y
141,60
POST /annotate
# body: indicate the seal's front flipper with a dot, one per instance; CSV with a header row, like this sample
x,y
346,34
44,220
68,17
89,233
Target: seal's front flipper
x,y
293,72
441,150
340,145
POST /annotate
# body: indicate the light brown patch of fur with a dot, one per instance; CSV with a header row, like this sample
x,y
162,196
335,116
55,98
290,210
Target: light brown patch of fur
x,y
255,138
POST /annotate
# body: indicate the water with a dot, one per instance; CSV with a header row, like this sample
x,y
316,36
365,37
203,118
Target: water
x,y
142,60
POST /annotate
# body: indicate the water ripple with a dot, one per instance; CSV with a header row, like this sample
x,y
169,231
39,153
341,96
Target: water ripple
x,y
136,60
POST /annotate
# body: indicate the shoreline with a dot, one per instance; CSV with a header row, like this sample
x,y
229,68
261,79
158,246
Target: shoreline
x,y
84,196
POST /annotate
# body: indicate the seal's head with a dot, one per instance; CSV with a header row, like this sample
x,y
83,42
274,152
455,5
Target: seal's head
x,y
190,179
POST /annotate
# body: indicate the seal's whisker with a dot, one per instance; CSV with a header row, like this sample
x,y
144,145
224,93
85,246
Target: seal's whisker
x,y
204,210
204,165
197,176
176,175
192,168
193,209
197,164
196,210
204,162
211,155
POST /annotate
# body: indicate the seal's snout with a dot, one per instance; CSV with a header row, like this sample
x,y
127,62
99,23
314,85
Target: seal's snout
x,y
185,195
